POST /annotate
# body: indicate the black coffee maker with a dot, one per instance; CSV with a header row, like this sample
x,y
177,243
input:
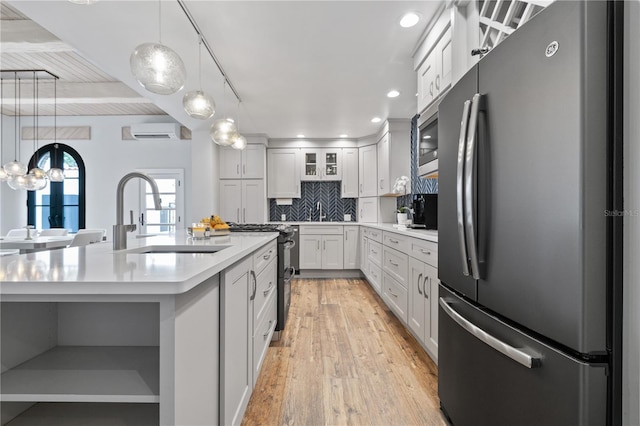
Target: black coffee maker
x,y
425,211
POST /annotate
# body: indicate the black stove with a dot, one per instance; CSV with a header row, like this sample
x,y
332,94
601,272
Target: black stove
x,y
285,271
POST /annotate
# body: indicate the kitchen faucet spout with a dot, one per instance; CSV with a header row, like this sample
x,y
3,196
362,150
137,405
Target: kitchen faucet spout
x,y
319,207
120,229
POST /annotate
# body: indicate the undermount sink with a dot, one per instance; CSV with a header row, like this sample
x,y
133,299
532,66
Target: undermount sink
x,y
206,249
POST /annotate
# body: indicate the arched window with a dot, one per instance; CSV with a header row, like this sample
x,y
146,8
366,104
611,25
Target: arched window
x,y
60,204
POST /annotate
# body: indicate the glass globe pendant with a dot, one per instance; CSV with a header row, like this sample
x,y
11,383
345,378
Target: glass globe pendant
x,y
239,143
40,178
55,175
3,175
223,132
199,105
16,182
15,168
158,68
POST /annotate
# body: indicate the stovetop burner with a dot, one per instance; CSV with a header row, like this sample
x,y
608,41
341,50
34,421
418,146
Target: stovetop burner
x,y
260,227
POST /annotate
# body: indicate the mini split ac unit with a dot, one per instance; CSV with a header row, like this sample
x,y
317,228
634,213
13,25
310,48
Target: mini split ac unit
x,y
156,131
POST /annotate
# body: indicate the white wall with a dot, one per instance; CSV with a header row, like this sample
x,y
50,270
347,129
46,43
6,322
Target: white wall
x,y
631,327
107,158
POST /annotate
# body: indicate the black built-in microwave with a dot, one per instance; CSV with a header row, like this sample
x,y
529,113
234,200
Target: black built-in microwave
x,y
425,211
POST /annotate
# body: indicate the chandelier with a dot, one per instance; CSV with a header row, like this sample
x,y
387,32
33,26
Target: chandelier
x,y
15,173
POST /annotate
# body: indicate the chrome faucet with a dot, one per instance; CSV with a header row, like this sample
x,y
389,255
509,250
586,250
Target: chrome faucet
x,y
319,207
120,229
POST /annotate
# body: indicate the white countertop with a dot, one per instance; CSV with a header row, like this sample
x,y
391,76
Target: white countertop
x,y
97,269
429,235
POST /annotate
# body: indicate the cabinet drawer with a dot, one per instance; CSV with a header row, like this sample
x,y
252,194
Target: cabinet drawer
x,y
375,276
262,334
266,285
375,235
321,230
399,242
396,264
375,252
426,251
395,295
263,256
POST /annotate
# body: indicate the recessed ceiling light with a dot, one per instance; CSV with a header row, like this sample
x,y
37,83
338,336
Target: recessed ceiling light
x,y
300,135
376,120
426,137
344,135
393,94
409,19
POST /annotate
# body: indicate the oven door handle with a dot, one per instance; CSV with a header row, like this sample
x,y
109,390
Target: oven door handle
x,y
290,244
293,272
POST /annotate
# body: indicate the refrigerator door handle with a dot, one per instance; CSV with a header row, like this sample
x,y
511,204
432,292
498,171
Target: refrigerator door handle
x,y
514,353
462,244
469,187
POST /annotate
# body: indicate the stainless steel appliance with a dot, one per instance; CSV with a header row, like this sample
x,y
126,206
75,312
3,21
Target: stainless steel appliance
x,y
529,261
286,272
425,211
295,250
428,142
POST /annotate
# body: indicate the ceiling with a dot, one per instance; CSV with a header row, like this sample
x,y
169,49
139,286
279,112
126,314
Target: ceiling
x,y
318,68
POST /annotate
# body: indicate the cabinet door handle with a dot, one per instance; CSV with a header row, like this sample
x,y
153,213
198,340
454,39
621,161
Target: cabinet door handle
x,y
361,188
431,88
255,285
394,241
438,82
265,335
424,286
419,279
238,214
267,256
360,213
343,188
425,252
373,251
244,169
392,293
244,214
318,244
238,169
324,245
269,288
393,263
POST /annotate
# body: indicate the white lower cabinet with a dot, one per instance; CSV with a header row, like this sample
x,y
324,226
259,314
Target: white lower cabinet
x,y
248,320
351,247
321,247
423,304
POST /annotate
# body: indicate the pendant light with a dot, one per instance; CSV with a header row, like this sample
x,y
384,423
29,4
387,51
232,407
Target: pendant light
x,y
158,68
55,174
223,131
15,168
36,179
83,1
197,103
239,141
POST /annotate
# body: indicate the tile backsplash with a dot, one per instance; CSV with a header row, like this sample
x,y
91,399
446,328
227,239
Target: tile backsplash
x,y
327,193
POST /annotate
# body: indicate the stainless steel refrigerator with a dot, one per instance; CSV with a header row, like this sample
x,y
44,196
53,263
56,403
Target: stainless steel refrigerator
x,y
529,242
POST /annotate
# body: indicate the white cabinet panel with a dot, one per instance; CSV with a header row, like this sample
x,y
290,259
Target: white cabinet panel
x,y
332,252
283,177
384,187
321,164
368,210
351,247
394,155
350,173
368,171
245,164
435,74
242,201
310,252
423,304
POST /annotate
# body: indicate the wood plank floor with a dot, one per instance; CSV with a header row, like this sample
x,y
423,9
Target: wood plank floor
x,y
344,359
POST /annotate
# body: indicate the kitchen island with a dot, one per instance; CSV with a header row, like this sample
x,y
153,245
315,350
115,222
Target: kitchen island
x,y
131,336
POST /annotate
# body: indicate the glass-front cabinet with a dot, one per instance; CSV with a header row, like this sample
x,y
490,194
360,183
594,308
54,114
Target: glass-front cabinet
x,y
322,164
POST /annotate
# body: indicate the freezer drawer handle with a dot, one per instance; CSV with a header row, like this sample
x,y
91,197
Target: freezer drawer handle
x,y
502,347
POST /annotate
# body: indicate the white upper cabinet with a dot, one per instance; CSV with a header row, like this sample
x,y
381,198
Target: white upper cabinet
x,y
242,201
283,173
322,164
245,164
350,173
394,155
367,171
435,73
